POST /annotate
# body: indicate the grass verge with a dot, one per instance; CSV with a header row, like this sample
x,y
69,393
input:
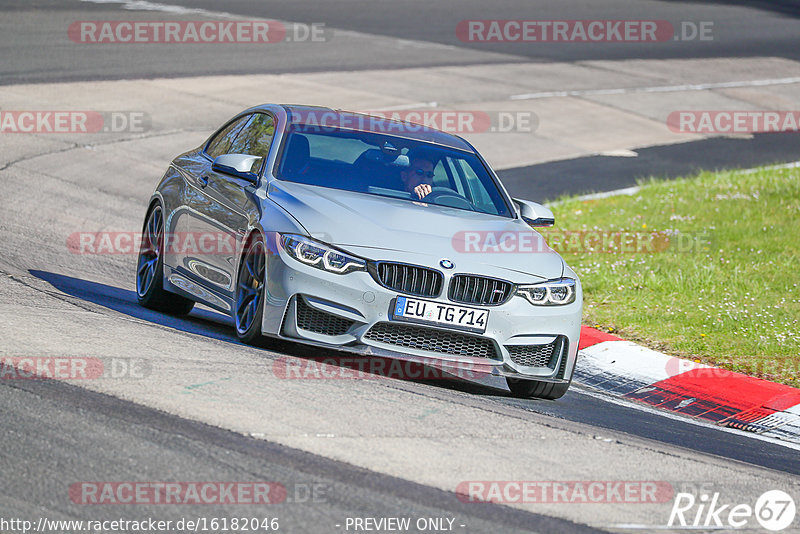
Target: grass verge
x,y
706,268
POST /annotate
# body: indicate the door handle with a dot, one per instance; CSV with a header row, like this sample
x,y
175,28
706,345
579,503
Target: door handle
x,y
203,181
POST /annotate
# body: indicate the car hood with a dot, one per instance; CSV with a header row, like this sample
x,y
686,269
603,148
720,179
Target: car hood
x,y
367,224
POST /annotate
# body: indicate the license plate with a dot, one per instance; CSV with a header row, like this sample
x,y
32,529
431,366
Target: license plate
x,y
427,312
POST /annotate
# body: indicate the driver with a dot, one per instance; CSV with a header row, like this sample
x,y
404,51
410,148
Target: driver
x,y
417,178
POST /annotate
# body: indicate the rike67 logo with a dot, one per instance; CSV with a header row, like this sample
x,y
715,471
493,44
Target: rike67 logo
x,y
774,510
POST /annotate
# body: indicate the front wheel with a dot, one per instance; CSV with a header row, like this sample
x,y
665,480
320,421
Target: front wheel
x,y
526,389
249,305
150,270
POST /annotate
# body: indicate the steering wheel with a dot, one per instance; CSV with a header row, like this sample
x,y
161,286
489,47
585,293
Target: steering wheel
x,y
452,199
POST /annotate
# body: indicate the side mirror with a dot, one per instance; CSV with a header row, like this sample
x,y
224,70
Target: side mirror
x,y
238,165
534,214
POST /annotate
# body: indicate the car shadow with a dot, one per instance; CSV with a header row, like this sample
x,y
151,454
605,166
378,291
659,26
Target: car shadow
x,y
208,323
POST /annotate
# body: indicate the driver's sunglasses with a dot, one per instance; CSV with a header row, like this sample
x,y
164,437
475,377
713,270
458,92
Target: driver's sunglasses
x,y
427,174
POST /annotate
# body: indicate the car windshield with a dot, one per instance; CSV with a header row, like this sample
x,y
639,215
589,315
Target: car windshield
x,y
390,166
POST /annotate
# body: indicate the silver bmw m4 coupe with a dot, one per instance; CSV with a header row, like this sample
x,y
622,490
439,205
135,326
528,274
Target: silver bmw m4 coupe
x,y
362,234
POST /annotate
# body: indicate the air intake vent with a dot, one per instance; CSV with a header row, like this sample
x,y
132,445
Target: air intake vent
x,y
410,279
320,322
470,289
533,355
546,355
421,338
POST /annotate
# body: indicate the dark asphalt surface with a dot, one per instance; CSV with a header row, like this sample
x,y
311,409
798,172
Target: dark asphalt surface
x,y
593,174
742,28
85,436
43,52
576,406
57,434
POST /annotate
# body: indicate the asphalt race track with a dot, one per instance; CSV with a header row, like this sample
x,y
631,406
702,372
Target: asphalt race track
x,y
191,404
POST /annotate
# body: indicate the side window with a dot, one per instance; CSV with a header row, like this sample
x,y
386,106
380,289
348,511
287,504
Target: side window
x,y
222,142
256,137
440,178
456,176
477,190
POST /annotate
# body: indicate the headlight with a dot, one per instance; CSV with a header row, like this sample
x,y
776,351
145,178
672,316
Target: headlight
x,y
320,255
550,293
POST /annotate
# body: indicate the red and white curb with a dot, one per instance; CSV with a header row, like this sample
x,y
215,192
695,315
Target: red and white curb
x,y
724,398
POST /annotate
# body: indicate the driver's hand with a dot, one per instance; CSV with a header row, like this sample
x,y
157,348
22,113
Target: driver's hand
x,y
422,190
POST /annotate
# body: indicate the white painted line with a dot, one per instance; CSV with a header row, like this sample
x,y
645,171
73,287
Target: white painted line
x,y
620,401
632,362
597,196
143,5
635,189
637,526
659,88
619,153
615,365
792,165
401,107
625,191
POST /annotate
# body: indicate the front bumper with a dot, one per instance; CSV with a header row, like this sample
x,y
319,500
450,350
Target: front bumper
x,y
353,312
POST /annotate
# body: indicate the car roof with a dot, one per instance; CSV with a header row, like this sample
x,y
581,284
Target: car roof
x,y
323,116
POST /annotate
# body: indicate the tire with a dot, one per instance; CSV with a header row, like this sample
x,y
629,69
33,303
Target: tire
x,y
150,269
526,389
248,307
